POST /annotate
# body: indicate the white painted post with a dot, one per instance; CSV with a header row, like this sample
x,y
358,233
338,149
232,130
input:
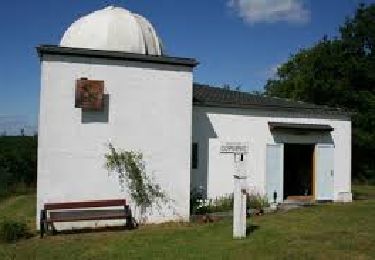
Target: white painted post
x,y
239,208
243,213
239,190
239,199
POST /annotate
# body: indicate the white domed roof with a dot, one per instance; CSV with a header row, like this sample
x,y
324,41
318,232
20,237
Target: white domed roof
x,y
113,29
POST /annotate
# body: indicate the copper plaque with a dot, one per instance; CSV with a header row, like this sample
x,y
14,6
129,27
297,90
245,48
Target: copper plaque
x,y
89,94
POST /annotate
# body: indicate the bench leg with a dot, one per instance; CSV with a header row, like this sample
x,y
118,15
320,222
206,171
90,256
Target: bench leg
x,y
42,222
53,229
130,223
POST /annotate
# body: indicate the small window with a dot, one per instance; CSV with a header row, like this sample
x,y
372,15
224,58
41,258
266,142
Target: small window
x,y
194,157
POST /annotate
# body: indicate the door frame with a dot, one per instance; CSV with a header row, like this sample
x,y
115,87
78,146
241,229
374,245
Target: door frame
x,y
314,168
313,180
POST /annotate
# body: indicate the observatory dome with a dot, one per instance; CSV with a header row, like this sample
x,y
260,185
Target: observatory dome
x,y
113,29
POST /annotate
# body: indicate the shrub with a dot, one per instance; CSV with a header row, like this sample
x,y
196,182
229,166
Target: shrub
x,y
130,169
195,197
12,230
203,207
198,205
18,163
256,201
223,203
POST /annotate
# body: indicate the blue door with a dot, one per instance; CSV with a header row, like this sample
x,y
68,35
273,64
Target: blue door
x,y
324,173
274,171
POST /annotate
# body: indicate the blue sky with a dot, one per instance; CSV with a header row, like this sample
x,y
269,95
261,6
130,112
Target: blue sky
x,y
238,42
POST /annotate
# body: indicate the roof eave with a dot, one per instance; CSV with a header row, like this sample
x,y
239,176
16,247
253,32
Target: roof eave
x,y
282,126
319,111
114,55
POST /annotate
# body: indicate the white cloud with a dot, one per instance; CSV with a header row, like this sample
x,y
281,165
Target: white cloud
x,y
270,11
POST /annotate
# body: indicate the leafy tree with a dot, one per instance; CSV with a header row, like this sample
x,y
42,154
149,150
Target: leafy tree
x,y
339,72
18,163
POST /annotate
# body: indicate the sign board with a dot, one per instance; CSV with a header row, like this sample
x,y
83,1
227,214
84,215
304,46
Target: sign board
x,y
234,147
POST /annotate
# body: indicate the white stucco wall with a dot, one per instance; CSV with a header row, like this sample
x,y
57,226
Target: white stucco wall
x,y
214,125
149,110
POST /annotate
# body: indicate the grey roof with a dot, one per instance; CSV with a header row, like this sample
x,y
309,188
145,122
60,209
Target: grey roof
x,y
208,96
114,55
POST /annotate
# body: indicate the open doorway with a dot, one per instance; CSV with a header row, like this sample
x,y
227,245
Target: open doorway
x,y
298,171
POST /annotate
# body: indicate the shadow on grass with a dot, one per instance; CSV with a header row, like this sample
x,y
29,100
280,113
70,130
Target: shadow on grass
x,y
88,230
251,229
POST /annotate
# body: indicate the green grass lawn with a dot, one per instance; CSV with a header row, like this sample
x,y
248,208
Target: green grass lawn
x,y
331,231
363,192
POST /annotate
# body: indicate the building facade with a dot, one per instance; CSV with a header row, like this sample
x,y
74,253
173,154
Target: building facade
x,y
148,103
284,139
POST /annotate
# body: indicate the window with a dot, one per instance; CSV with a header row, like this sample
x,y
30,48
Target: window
x,y
194,157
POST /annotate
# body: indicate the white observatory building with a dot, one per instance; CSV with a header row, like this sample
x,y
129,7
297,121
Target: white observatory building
x,y
146,101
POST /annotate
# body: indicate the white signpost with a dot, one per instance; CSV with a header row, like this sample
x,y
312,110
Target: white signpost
x,y
239,149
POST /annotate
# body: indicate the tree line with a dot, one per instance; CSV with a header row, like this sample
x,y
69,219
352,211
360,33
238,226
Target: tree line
x,y
18,164
339,72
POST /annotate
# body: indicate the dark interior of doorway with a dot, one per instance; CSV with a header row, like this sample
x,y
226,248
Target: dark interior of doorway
x,y
298,170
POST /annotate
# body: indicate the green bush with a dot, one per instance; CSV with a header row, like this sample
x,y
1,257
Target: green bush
x,y
195,197
12,230
256,201
200,206
223,203
18,164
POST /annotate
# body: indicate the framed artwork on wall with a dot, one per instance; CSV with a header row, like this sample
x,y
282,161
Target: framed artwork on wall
x,y
89,94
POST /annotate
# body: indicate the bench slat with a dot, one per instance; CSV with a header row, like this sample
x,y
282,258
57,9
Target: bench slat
x,y
77,215
84,204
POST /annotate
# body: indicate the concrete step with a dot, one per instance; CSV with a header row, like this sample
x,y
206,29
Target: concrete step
x,y
294,204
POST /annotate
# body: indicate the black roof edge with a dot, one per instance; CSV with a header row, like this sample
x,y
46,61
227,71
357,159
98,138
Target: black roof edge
x,y
114,55
296,126
276,108
316,109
